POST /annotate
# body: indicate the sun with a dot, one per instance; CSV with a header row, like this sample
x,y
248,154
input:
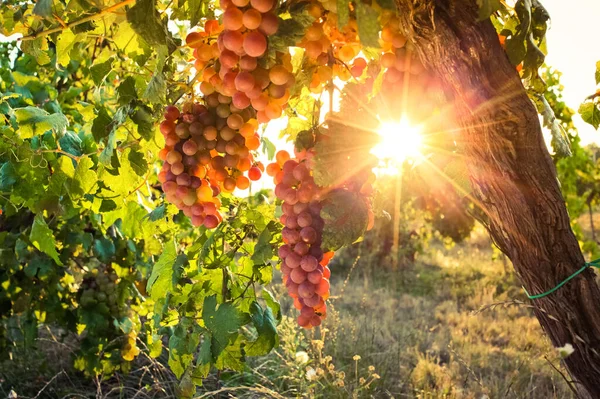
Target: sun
x,y
400,141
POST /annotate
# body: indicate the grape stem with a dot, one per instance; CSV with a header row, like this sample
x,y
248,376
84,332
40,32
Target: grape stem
x,y
92,17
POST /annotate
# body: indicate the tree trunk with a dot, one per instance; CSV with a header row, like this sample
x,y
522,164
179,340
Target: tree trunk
x,y
512,174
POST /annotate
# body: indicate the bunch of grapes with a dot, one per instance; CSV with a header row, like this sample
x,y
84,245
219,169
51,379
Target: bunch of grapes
x,y
397,58
304,262
99,291
204,43
239,47
333,52
207,151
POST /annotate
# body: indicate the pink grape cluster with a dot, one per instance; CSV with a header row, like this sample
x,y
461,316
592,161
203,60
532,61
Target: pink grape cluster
x,y
205,154
304,264
241,45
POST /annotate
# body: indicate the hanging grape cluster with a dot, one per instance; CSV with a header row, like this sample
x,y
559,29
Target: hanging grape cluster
x,y
304,263
100,292
209,145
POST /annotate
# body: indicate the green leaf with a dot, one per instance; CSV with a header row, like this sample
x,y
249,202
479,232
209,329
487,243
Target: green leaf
x,y
84,179
266,327
142,117
268,147
598,72
64,45
38,49
345,214
70,143
138,162
165,272
263,250
8,176
104,125
204,359
127,91
233,357
487,8
368,25
157,213
146,22
127,179
271,302
292,27
39,265
104,249
43,8
223,322
43,238
590,113
191,10
156,90
343,11
182,345
99,71
34,121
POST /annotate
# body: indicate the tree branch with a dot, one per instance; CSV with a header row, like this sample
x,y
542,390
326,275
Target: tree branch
x,y
92,17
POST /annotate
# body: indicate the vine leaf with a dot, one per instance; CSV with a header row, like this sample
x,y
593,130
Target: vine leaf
x,y
263,250
100,70
43,8
266,327
182,346
292,26
346,217
42,238
272,303
65,44
164,272
590,113
127,91
146,22
191,10
343,11
138,162
223,322
84,178
34,121
38,49
156,90
597,73
368,25
203,361
100,126
8,176
104,249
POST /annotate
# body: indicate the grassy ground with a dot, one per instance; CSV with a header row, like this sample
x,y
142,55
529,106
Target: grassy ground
x,y
451,325
448,326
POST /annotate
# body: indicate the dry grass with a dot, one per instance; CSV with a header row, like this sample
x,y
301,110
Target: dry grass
x,y
411,333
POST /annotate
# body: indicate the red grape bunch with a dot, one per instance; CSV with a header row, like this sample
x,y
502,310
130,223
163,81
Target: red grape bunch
x,y
304,263
207,151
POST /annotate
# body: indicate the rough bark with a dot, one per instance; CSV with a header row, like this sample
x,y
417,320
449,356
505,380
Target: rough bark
x,y
512,174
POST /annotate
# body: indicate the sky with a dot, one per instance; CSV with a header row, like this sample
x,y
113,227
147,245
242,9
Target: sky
x,y
573,49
